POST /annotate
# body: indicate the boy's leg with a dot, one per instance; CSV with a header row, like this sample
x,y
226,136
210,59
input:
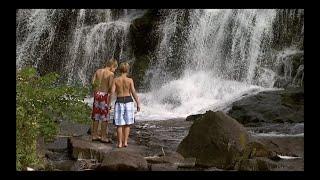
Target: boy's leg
x,y
119,133
104,130
94,132
123,134
126,134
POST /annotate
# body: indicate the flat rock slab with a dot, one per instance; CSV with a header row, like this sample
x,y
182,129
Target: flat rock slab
x,y
83,148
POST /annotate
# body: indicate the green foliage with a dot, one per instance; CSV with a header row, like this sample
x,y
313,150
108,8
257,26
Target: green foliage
x,y
41,102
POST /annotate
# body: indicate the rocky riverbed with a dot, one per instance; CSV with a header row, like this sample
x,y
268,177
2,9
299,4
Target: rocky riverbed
x,y
154,139
164,145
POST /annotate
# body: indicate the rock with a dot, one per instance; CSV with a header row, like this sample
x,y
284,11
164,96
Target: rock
x,y
187,163
193,117
256,164
270,107
256,149
164,167
288,146
213,169
144,41
64,165
169,157
118,160
84,164
291,165
215,139
84,148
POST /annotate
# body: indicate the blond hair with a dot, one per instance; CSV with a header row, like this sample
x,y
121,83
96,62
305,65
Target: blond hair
x,y
124,67
112,63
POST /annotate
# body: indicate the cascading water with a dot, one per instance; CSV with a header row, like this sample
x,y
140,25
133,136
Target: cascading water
x,y
221,61
205,59
34,35
93,44
96,36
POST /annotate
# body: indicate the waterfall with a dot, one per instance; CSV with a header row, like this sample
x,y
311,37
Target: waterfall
x,y
201,59
34,35
93,44
226,55
96,36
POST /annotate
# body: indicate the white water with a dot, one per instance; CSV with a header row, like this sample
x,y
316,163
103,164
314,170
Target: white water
x,y
213,75
32,48
288,157
277,134
194,93
93,44
222,58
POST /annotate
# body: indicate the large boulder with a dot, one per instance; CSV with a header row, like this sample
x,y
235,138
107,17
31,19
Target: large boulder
x,y
121,160
270,107
215,139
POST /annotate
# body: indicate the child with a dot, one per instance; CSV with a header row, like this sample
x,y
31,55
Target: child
x,y
102,82
124,105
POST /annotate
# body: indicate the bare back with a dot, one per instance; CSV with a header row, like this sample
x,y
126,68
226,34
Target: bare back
x,y
123,86
103,80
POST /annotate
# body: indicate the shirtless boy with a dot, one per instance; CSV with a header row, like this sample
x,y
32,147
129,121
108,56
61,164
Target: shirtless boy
x,y
102,82
124,105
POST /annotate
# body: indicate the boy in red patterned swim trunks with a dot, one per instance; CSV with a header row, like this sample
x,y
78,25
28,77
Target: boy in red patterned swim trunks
x,y
102,82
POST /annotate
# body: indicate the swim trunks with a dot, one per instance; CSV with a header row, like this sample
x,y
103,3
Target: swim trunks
x,y
124,111
100,109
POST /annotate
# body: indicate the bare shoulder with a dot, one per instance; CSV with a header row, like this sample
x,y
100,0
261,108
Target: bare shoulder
x,y
130,80
116,79
98,71
109,73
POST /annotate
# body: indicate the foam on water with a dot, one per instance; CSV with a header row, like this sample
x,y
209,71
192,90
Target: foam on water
x,y
277,134
194,93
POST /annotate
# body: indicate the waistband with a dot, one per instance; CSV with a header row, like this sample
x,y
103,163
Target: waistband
x,y
101,93
124,99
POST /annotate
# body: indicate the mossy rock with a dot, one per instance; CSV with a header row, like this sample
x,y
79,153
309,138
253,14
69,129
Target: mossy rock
x,y
216,140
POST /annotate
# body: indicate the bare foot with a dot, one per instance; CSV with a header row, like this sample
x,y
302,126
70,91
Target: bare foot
x,y
105,140
95,138
125,145
119,146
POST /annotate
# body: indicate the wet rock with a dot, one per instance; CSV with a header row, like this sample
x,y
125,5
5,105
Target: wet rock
x,y
270,107
216,140
187,163
64,165
118,160
257,149
84,148
193,117
164,167
84,164
169,157
256,164
288,146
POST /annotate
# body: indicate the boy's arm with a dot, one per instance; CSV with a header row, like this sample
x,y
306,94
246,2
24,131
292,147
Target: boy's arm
x,y
113,89
135,96
110,81
94,78
93,81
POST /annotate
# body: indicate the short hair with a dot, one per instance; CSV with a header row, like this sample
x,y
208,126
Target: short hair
x,y
112,63
124,67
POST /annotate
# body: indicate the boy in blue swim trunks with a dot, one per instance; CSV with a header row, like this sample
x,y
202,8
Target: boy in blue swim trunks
x,y
124,105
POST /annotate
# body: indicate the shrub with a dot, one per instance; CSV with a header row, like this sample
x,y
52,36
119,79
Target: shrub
x,y
41,102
